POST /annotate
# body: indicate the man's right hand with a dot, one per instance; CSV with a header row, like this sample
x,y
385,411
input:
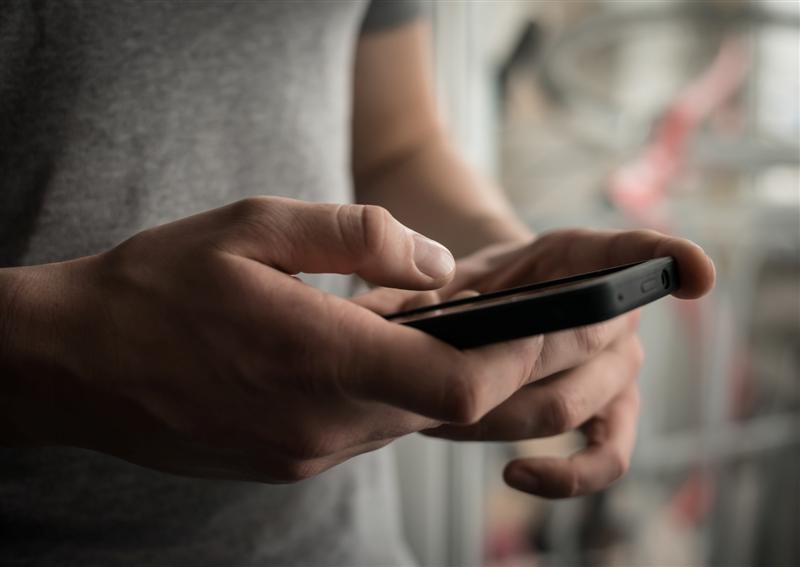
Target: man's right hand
x,y
190,348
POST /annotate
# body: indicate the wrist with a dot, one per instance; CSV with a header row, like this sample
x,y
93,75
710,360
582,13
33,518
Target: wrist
x,y
33,333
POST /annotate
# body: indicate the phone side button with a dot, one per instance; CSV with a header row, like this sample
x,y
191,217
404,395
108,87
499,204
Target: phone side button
x,y
649,285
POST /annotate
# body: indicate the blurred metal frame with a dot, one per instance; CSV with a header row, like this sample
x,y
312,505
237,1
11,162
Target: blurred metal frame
x,y
600,120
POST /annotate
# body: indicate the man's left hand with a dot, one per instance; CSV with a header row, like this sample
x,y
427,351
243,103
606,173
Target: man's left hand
x,y
600,396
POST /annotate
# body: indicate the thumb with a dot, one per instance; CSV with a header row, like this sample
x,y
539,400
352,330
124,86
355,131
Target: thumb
x,y
296,236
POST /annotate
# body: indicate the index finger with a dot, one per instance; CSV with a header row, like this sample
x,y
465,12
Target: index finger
x,y
327,346
568,252
375,359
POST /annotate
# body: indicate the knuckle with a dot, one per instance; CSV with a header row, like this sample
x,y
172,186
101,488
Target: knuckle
x,y
131,245
637,353
590,338
464,398
308,445
122,260
252,207
363,227
296,470
619,463
253,217
558,415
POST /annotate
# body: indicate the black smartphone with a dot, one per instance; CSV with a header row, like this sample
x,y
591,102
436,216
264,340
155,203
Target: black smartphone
x,y
546,306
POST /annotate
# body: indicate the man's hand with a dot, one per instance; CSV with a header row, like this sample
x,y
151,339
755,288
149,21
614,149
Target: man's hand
x,y
191,348
582,378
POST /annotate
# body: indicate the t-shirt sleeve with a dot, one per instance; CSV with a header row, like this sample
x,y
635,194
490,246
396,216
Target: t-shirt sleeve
x,y
384,14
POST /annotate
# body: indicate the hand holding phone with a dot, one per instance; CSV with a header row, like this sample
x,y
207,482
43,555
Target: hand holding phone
x,y
580,378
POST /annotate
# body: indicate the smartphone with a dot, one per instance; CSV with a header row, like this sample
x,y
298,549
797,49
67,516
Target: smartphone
x,y
545,307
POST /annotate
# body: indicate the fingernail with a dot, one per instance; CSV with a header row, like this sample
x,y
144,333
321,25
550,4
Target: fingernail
x,y
431,258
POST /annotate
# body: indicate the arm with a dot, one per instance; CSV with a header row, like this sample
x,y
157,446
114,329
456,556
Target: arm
x,y
186,348
402,156
403,160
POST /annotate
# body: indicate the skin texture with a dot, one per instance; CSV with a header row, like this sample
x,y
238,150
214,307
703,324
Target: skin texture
x,y
190,348
583,379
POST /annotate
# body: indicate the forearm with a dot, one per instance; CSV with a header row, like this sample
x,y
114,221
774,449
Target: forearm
x,y
434,191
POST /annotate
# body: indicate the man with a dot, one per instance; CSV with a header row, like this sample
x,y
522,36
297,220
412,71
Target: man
x,y
159,394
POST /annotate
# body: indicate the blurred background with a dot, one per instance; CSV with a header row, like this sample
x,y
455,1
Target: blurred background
x,y
679,116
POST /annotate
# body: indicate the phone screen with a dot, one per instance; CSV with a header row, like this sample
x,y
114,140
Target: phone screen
x,y
504,296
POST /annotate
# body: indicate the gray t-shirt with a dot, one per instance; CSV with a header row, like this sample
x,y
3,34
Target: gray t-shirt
x,y
117,116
